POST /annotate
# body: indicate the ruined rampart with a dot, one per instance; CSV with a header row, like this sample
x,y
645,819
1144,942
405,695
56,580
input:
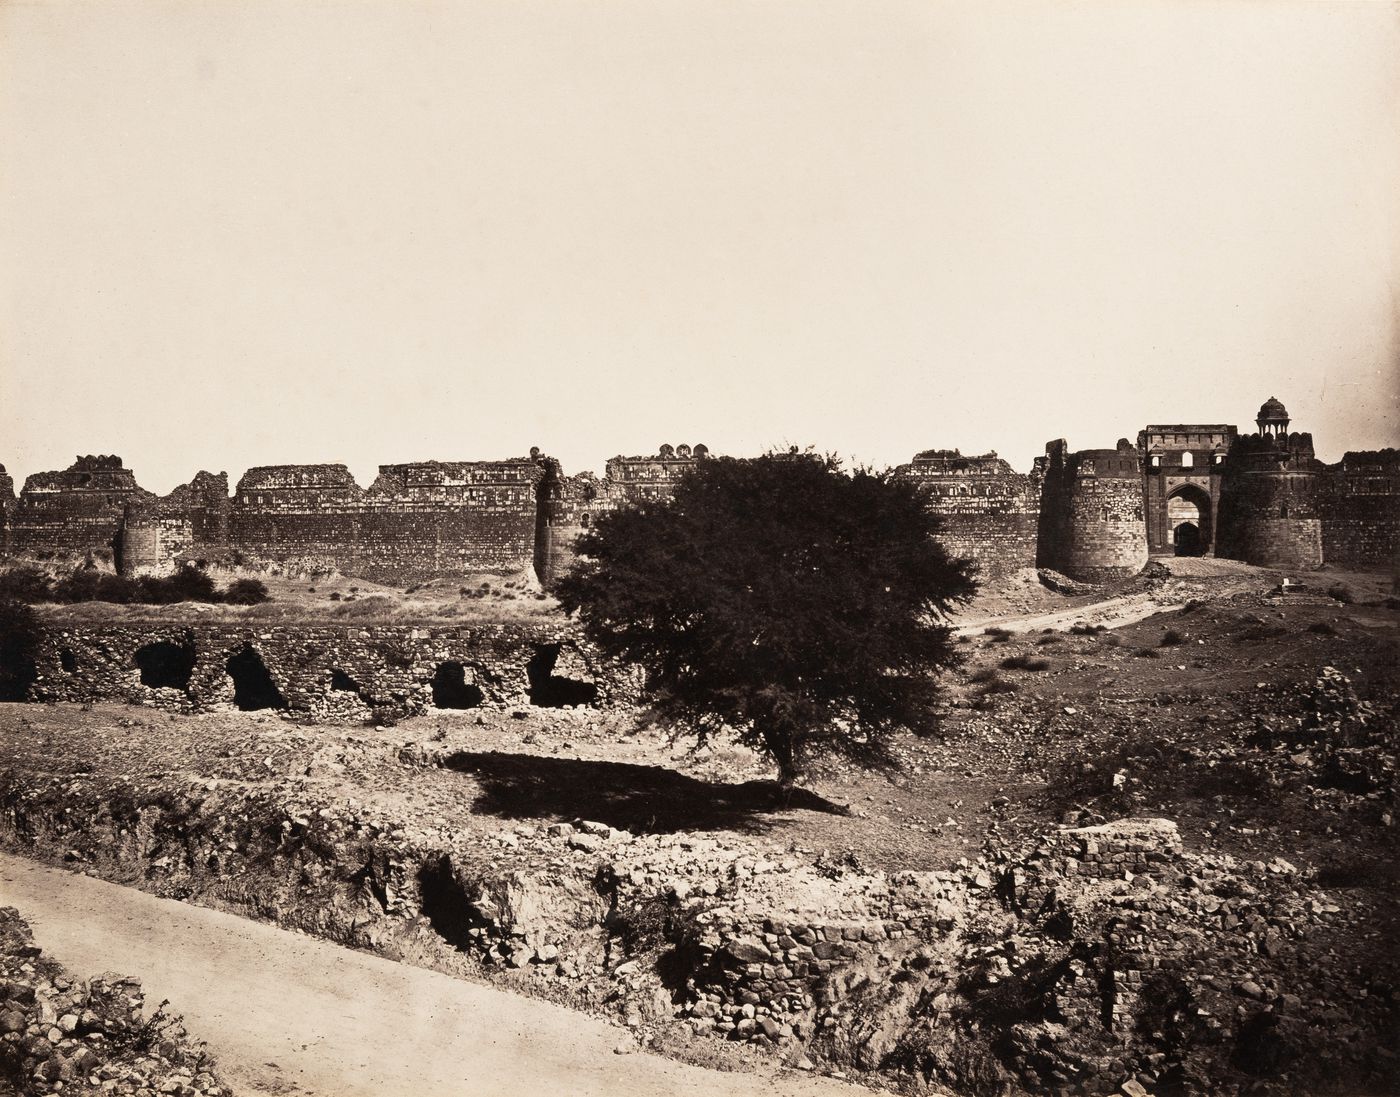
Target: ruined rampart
x,y
990,513
1359,505
415,522
1095,515
1270,513
323,673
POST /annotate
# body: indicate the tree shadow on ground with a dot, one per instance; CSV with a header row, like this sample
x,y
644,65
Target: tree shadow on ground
x,y
642,799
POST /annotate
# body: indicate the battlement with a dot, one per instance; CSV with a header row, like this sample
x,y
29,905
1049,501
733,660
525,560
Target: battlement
x,y
1091,513
933,463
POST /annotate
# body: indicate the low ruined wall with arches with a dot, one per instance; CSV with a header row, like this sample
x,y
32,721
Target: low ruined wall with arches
x,y
324,673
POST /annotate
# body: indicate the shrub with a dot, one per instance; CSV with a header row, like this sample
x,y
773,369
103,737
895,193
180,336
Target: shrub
x,y
384,717
25,584
1261,632
189,584
246,592
986,674
1342,593
1053,638
1323,628
20,634
1024,662
1081,629
1148,653
1171,638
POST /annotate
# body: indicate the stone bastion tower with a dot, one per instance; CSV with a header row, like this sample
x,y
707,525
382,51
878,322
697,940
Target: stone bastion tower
x,y
1092,526
1270,500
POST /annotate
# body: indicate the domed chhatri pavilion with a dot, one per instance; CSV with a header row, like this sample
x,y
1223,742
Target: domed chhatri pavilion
x,y
1273,417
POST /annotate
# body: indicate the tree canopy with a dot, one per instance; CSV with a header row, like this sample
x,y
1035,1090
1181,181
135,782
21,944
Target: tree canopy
x,y
801,605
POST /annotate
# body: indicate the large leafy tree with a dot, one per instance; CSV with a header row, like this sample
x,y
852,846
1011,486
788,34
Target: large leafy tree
x,y
801,605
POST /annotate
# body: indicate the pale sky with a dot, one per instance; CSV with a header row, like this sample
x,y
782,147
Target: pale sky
x,y
369,231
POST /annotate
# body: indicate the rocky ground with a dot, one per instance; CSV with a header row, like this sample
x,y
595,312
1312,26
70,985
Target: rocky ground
x,y
64,1035
957,922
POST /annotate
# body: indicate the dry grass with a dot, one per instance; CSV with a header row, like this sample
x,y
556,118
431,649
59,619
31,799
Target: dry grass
x,y
480,598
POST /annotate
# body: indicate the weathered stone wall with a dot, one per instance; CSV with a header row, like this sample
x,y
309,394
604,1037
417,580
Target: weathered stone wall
x,y
82,509
148,544
570,505
7,507
323,673
990,513
76,510
1092,526
204,504
416,521
1359,503
1093,515
1269,506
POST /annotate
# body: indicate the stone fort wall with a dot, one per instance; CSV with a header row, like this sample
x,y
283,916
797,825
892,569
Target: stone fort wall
x,y
991,513
1091,514
416,521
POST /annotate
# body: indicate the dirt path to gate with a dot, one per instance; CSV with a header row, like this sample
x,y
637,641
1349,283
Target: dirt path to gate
x,y
293,1016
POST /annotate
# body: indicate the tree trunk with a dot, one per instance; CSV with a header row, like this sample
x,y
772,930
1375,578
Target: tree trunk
x,y
781,743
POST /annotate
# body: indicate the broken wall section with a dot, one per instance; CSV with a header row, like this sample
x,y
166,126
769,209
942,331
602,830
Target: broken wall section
x,y
325,674
990,514
417,521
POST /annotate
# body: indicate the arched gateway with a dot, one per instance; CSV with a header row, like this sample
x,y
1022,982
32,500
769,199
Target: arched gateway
x,y
1189,521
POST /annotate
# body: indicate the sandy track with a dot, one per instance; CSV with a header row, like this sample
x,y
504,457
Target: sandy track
x,y
289,1014
1111,613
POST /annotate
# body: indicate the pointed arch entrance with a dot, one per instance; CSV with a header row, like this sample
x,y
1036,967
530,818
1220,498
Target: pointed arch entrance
x,y
1189,521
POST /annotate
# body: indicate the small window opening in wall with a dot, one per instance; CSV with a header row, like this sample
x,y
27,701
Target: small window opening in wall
x,y
253,687
164,665
67,660
1283,510
1187,460
583,520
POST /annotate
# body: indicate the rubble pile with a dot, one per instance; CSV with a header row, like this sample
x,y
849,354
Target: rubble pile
x,y
1335,741
59,1034
1106,957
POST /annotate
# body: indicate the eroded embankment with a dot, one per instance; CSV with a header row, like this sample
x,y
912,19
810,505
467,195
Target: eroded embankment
x,y
1097,957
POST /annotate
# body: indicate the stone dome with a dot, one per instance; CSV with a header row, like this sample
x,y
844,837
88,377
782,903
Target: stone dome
x,y
1272,409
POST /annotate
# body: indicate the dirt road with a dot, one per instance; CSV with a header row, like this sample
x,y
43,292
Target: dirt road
x,y
290,1015
1124,609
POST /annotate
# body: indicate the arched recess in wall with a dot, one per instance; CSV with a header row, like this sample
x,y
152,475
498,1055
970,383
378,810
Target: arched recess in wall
x,y
253,687
451,688
166,665
1189,519
551,690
